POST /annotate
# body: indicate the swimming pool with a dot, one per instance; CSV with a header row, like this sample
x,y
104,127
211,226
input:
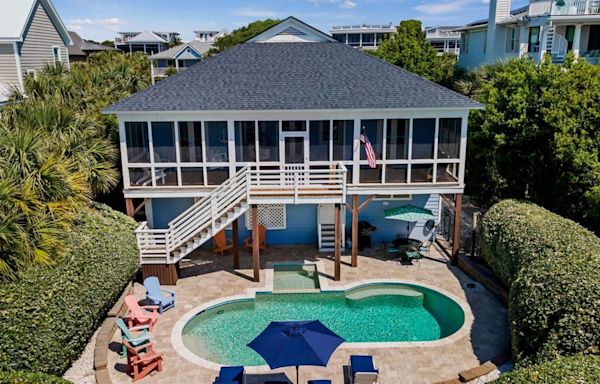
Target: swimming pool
x,y
381,312
295,276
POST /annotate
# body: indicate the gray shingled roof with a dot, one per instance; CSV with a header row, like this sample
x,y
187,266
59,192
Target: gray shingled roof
x,y
292,76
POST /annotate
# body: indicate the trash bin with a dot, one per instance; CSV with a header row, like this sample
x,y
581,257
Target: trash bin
x,y
365,229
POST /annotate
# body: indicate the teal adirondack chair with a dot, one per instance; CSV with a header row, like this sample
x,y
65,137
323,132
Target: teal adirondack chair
x,y
136,336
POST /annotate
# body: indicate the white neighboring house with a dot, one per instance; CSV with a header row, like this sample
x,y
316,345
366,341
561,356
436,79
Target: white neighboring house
x,y
208,36
444,39
31,36
149,42
363,36
543,26
177,59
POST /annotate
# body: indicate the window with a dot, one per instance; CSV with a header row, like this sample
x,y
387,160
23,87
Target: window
x,y
423,136
165,176
190,141
534,40
136,138
396,173
245,141
339,37
163,141
373,129
397,139
216,141
293,126
368,39
268,140
354,39
343,139
421,173
464,44
56,54
570,36
512,40
449,138
319,140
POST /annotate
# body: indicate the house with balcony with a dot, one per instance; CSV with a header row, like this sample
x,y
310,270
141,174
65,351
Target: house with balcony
x,y
273,132
208,36
363,36
148,42
556,27
32,35
177,59
445,39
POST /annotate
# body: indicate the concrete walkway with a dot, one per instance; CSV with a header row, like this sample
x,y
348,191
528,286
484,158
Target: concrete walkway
x,y
206,277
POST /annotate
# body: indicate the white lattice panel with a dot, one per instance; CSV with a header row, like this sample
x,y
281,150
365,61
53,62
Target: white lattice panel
x,y
272,216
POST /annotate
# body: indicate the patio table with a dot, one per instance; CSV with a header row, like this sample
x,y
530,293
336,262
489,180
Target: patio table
x,y
405,245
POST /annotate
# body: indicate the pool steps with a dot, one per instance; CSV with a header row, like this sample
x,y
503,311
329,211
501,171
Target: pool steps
x,y
368,292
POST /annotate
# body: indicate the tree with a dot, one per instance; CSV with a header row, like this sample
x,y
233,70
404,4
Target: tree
x,y
409,49
242,34
538,137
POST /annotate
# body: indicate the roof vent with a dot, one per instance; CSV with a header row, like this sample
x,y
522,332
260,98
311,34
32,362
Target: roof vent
x,y
291,31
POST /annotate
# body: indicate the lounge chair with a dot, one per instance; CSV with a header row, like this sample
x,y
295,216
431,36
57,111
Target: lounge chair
x,y
321,381
142,360
362,370
136,315
135,336
155,295
231,375
262,233
221,244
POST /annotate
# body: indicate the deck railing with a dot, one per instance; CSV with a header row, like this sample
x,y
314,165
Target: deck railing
x,y
570,8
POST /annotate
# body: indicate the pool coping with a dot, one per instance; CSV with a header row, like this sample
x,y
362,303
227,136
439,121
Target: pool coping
x,y
250,294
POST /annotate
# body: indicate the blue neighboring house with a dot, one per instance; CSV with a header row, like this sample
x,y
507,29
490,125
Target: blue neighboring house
x,y
269,132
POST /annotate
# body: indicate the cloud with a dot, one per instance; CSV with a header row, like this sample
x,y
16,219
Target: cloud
x,y
346,4
447,6
93,25
256,12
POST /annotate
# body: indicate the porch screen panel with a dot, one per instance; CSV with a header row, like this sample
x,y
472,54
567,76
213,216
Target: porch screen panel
x,y
136,138
421,173
374,131
268,140
163,140
319,140
423,136
245,141
216,141
449,138
293,126
447,173
343,139
190,141
397,139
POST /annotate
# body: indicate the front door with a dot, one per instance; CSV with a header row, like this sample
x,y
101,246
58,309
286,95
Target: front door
x,y
295,157
294,148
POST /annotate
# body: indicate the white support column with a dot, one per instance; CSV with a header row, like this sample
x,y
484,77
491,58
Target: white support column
x,y
124,160
231,146
356,155
543,42
577,40
463,148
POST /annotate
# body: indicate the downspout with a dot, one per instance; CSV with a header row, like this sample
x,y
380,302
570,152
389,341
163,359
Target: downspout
x,y
18,63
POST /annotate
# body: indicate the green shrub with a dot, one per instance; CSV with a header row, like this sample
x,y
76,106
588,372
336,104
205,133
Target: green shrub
x,y
552,268
30,378
48,315
564,370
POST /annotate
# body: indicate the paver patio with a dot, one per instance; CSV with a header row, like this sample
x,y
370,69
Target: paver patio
x,y
206,277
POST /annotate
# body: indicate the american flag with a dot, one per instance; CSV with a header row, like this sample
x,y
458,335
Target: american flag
x,y
371,158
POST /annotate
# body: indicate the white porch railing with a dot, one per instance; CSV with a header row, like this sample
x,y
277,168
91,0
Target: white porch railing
x,y
570,8
250,185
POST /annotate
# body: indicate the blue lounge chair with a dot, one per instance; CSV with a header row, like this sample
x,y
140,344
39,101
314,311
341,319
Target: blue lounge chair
x,y
319,382
362,370
231,375
135,336
155,295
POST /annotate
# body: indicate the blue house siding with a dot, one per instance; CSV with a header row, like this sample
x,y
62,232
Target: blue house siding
x,y
165,210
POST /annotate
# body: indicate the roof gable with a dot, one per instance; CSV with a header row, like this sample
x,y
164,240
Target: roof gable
x,y
16,16
147,37
291,30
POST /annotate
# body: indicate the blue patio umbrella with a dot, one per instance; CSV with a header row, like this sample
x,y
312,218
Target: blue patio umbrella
x,y
296,343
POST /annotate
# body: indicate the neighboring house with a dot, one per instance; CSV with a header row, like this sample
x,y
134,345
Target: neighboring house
x,y
444,39
269,132
148,42
31,36
177,58
543,26
208,36
363,36
80,49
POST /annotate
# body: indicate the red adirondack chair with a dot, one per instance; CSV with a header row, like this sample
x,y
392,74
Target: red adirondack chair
x,y
142,360
140,315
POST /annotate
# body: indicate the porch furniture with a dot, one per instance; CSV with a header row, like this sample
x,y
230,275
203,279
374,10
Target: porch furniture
x,y
142,360
410,214
362,370
231,375
391,249
262,234
424,248
413,255
319,382
221,244
155,295
135,336
140,315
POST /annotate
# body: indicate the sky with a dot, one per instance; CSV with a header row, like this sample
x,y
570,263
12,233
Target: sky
x,y
101,19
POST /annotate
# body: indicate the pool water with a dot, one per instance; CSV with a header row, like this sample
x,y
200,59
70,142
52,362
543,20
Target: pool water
x,y
372,313
295,276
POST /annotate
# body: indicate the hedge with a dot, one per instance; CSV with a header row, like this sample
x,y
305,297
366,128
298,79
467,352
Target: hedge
x,y
30,378
552,268
49,314
564,370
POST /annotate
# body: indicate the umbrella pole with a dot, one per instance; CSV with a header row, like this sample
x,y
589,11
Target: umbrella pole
x,y
297,374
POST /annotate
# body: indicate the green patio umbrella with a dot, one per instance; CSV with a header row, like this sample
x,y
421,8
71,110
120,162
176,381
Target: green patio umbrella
x,y
410,214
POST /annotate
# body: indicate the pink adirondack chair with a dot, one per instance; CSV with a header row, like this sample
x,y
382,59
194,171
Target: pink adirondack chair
x,y
140,315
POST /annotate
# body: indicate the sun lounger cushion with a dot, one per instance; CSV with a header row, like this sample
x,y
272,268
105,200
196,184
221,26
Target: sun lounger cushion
x,y
319,382
362,364
231,375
